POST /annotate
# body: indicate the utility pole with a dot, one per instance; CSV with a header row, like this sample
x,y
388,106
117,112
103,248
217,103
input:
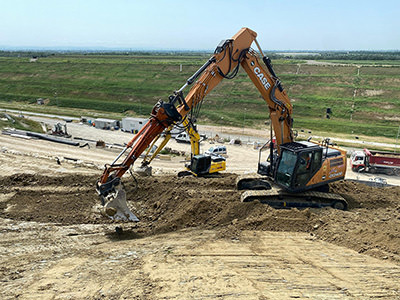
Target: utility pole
x,y
55,96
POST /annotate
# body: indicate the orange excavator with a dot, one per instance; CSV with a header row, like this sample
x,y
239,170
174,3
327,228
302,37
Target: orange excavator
x,y
292,169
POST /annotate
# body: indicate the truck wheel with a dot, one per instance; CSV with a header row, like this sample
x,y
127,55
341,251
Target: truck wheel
x,y
360,169
119,230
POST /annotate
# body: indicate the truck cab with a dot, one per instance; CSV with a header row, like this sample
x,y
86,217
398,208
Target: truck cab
x,y
357,160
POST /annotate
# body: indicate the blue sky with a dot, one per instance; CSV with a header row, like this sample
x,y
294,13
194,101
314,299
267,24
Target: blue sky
x,y
200,25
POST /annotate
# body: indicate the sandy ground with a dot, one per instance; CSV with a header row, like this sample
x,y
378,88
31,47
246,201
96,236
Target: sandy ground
x,y
83,262
195,239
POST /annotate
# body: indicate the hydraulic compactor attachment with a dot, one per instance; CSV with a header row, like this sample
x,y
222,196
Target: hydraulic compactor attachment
x,y
115,206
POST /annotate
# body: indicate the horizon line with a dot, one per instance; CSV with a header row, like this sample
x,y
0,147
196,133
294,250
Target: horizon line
x,y
129,49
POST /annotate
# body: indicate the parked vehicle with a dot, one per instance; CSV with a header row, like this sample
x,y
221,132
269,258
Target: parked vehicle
x,y
375,162
183,138
217,150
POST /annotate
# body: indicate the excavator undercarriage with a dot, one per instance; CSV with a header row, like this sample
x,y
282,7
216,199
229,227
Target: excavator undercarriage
x,y
262,189
279,198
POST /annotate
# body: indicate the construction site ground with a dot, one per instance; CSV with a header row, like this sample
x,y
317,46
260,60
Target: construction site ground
x,y
195,239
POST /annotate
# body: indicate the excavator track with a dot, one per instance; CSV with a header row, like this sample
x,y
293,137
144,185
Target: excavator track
x,y
253,182
278,198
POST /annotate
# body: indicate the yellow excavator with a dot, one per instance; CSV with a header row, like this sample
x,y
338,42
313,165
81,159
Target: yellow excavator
x,y
296,173
199,164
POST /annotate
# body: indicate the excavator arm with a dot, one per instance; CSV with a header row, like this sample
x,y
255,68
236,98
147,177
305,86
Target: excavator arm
x,y
225,63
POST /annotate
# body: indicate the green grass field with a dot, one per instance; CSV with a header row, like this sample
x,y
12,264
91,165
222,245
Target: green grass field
x,y
364,97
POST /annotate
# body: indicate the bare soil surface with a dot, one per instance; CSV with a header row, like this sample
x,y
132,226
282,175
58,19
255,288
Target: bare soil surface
x,y
168,203
195,239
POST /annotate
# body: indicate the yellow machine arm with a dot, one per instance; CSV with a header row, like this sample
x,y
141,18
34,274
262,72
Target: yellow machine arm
x,y
194,142
148,159
194,137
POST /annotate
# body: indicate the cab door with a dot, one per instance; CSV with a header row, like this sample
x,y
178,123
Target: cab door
x,y
308,163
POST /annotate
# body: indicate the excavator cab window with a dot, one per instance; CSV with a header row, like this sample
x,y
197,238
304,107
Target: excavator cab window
x,y
286,167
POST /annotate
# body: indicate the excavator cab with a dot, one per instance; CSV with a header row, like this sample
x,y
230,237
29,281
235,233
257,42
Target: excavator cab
x,y
297,164
300,177
206,164
200,164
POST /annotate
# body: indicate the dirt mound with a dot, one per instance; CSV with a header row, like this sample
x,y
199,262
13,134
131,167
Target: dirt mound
x,y
363,196
206,202
372,227
168,203
58,199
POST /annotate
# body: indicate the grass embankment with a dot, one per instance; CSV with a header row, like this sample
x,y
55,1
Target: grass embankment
x,y
19,123
364,99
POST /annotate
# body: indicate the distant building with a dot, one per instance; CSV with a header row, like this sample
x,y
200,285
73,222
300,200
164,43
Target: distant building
x,y
106,123
132,124
40,101
33,59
